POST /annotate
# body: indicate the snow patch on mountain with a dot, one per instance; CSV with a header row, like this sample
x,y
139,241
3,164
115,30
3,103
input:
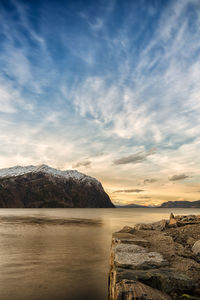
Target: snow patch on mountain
x,y
73,174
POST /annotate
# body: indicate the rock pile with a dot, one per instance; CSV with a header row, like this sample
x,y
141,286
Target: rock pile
x,y
156,261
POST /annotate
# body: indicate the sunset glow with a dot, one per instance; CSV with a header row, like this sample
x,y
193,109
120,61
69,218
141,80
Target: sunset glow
x,y
110,88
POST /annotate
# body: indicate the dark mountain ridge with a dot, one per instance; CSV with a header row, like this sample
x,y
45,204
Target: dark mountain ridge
x,y
169,204
37,187
181,204
132,205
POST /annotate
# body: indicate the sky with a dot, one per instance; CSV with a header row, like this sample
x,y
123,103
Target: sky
x,y
110,88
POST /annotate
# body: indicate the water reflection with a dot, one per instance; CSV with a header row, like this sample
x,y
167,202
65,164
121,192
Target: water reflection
x,y
34,220
62,254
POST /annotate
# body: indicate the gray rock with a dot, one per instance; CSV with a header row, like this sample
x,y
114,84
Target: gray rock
x,y
122,235
134,290
172,221
190,241
136,257
135,241
128,248
160,225
196,248
126,229
187,220
163,279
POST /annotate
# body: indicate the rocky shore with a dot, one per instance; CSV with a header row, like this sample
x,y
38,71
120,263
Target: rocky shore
x,y
156,261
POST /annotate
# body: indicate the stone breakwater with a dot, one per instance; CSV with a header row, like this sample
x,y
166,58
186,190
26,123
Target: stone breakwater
x,y
156,261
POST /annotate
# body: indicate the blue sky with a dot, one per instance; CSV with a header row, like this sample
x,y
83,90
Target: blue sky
x,y
111,88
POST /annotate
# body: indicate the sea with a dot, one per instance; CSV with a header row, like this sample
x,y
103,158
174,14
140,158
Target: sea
x,y
63,254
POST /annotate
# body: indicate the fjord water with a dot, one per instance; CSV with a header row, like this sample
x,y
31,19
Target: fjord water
x,y
48,254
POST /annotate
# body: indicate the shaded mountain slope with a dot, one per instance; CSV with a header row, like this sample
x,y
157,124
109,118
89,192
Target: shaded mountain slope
x,y
43,186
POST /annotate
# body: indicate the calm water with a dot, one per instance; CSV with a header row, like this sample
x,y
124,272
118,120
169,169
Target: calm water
x,y
50,254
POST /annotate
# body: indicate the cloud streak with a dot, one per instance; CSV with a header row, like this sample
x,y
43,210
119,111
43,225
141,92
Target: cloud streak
x,y
80,88
129,191
84,163
135,158
149,180
178,177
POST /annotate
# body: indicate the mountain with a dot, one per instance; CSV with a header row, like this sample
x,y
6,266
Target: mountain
x,y
169,204
43,186
181,204
132,205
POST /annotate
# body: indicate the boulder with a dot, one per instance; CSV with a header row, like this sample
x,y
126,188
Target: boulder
x,y
190,241
136,257
126,229
187,220
167,280
122,235
160,225
172,221
196,248
135,241
134,290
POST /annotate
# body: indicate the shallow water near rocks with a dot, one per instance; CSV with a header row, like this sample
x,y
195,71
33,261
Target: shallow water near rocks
x,y
62,254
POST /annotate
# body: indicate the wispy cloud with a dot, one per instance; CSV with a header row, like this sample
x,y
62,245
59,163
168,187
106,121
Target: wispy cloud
x,y
87,85
135,158
178,177
7,104
129,191
150,180
84,163
165,61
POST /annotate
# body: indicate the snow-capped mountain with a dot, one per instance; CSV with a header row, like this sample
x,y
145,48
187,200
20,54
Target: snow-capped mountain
x,y
43,186
21,170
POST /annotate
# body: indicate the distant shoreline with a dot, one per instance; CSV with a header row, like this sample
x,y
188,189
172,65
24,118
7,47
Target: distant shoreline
x,y
169,204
